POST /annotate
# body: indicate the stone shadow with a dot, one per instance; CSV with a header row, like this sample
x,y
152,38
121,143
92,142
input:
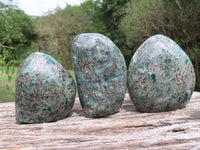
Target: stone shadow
x,y
78,111
128,106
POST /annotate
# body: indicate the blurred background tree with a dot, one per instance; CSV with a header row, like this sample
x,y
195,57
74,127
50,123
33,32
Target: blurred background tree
x,y
177,19
57,30
16,32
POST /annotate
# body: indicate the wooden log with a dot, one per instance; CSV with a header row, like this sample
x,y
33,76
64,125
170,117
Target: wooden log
x,y
127,129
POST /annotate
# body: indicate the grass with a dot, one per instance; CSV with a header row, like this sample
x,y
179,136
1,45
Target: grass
x,y
7,88
7,85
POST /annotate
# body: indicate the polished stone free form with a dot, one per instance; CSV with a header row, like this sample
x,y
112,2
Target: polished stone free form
x,y
160,76
101,74
45,91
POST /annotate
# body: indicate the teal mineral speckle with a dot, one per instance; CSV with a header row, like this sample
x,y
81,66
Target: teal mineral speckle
x,y
101,74
44,93
160,76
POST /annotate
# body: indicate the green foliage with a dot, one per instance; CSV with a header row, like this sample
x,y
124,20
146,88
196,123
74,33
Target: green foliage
x,y
111,12
56,31
91,7
177,19
16,28
141,16
106,16
7,56
16,33
6,3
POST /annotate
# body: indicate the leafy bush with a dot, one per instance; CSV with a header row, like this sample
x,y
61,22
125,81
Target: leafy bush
x,y
16,34
177,19
57,30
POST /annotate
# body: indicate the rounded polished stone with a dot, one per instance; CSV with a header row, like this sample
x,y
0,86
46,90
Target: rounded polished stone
x,y
101,74
160,76
45,91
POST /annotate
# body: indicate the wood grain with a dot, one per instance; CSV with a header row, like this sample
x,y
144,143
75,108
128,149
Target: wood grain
x,y
127,129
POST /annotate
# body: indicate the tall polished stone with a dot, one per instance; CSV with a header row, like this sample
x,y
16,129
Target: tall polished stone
x,y
160,76
45,91
101,74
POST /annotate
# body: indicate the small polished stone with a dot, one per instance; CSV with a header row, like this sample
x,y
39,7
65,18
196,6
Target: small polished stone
x,y
160,76
101,74
45,91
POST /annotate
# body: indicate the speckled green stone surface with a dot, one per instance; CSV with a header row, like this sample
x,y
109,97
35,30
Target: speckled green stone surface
x,y
45,91
160,76
101,74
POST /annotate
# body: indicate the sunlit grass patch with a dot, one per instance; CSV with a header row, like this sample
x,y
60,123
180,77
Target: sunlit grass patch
x,y
7,84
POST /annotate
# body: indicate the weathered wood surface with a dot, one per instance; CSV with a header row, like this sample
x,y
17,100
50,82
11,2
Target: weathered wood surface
x,y
126,129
